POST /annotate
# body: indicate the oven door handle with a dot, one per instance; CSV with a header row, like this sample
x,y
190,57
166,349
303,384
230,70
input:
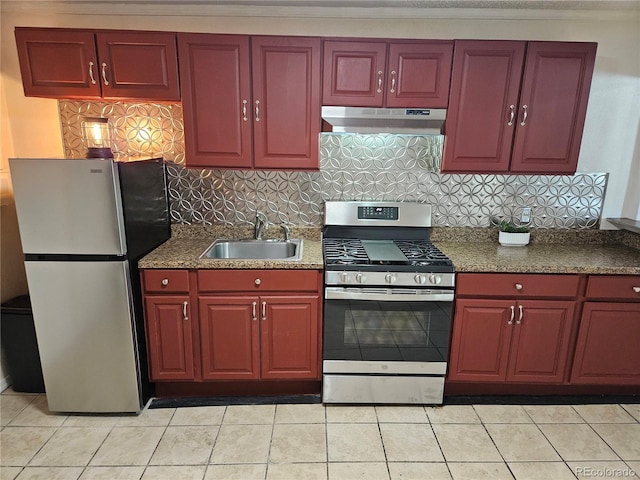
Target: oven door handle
x,y
428,296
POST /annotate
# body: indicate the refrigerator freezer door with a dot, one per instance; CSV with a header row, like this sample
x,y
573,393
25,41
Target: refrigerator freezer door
x,y
68,206
83,317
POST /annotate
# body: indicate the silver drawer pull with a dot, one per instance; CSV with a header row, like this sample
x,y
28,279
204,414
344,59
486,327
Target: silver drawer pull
x,y
519,321
264,310
257,281
636,289
513,315
93,80
393,82
512,114
184,310
518,286
254,315
525,114
104,73
165,282
379,90
244,110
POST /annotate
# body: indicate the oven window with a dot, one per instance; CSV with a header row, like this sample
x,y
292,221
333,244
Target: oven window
x,y
386,331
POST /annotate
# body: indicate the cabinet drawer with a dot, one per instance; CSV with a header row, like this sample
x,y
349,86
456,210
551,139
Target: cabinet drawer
x,y
258,280
166,281
515,285
625,287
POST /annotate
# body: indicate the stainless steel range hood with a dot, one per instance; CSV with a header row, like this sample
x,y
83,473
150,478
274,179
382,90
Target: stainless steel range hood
x,y
414,121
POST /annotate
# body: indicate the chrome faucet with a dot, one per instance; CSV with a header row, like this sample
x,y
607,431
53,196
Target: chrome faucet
x,y
261,223
287,232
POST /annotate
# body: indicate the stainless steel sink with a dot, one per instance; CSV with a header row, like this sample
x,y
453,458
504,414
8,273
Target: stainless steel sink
x,y
255,250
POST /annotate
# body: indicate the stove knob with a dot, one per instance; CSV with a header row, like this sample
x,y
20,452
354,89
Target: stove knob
x,y
421,279
435,279
390,278
360,278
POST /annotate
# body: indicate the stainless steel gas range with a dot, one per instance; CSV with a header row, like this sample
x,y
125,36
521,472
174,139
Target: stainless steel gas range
x,y
387,305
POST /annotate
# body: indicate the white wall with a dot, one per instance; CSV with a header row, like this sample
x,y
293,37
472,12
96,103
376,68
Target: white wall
x,y
610,142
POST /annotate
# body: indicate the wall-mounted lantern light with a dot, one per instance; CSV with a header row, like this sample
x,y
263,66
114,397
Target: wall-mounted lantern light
x,y
97,136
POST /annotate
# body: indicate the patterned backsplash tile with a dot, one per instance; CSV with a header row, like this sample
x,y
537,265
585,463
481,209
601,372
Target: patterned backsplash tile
x,y
352,167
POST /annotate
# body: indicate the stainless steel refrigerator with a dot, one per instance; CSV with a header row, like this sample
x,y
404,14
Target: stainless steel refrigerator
x,y
84,224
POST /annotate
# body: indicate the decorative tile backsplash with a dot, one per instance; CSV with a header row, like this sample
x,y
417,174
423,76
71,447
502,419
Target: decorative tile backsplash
x,y
352,167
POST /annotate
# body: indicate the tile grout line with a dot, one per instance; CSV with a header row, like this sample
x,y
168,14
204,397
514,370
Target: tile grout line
x,y
564,462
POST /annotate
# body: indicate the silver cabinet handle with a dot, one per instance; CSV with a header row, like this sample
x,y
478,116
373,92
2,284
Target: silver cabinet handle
x,y
519,321
393,82
257,281
518,286
253,311
513,315
165,282
244,110
184,310
264,310
636,289
257,110
524,115
93,79
379,81
512,114
104,73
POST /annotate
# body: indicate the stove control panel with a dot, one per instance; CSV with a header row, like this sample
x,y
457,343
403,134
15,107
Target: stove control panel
x,y
397,279
377,213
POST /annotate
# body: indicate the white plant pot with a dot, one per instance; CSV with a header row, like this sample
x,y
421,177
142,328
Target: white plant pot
x,y
508,239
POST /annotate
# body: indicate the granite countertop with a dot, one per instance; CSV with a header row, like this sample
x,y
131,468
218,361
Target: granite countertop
x,y
542,258
550,251
470,249
188,242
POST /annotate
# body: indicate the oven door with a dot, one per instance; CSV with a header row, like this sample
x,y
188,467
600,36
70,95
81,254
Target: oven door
x,y
367,328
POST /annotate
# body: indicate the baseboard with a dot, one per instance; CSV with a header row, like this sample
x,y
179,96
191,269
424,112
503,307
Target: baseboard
x,y
4,383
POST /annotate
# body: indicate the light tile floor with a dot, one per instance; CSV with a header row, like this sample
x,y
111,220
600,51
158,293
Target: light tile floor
x,y
279,442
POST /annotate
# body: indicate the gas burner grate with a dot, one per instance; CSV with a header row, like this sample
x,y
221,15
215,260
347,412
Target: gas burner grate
x,y
344,251
421,252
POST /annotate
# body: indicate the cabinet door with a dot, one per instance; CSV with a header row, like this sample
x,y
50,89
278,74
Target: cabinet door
x,y
286,102
483,105
289,331
419,74
58,63
216,100
229,336
555,91
480,341
540,344
141,65
169,339
607,350
354,73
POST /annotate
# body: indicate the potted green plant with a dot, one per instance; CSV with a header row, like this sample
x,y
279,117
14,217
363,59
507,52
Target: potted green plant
x,y
512,235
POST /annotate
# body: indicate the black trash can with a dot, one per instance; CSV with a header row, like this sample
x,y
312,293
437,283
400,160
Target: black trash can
x,y
19,345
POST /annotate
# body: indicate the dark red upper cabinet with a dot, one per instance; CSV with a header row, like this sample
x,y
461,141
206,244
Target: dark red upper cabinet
x,y
354,73
58,63
216,100
141,65
64,63
250,102
286,102
419,74
482,109
387,74
509,113
553,106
